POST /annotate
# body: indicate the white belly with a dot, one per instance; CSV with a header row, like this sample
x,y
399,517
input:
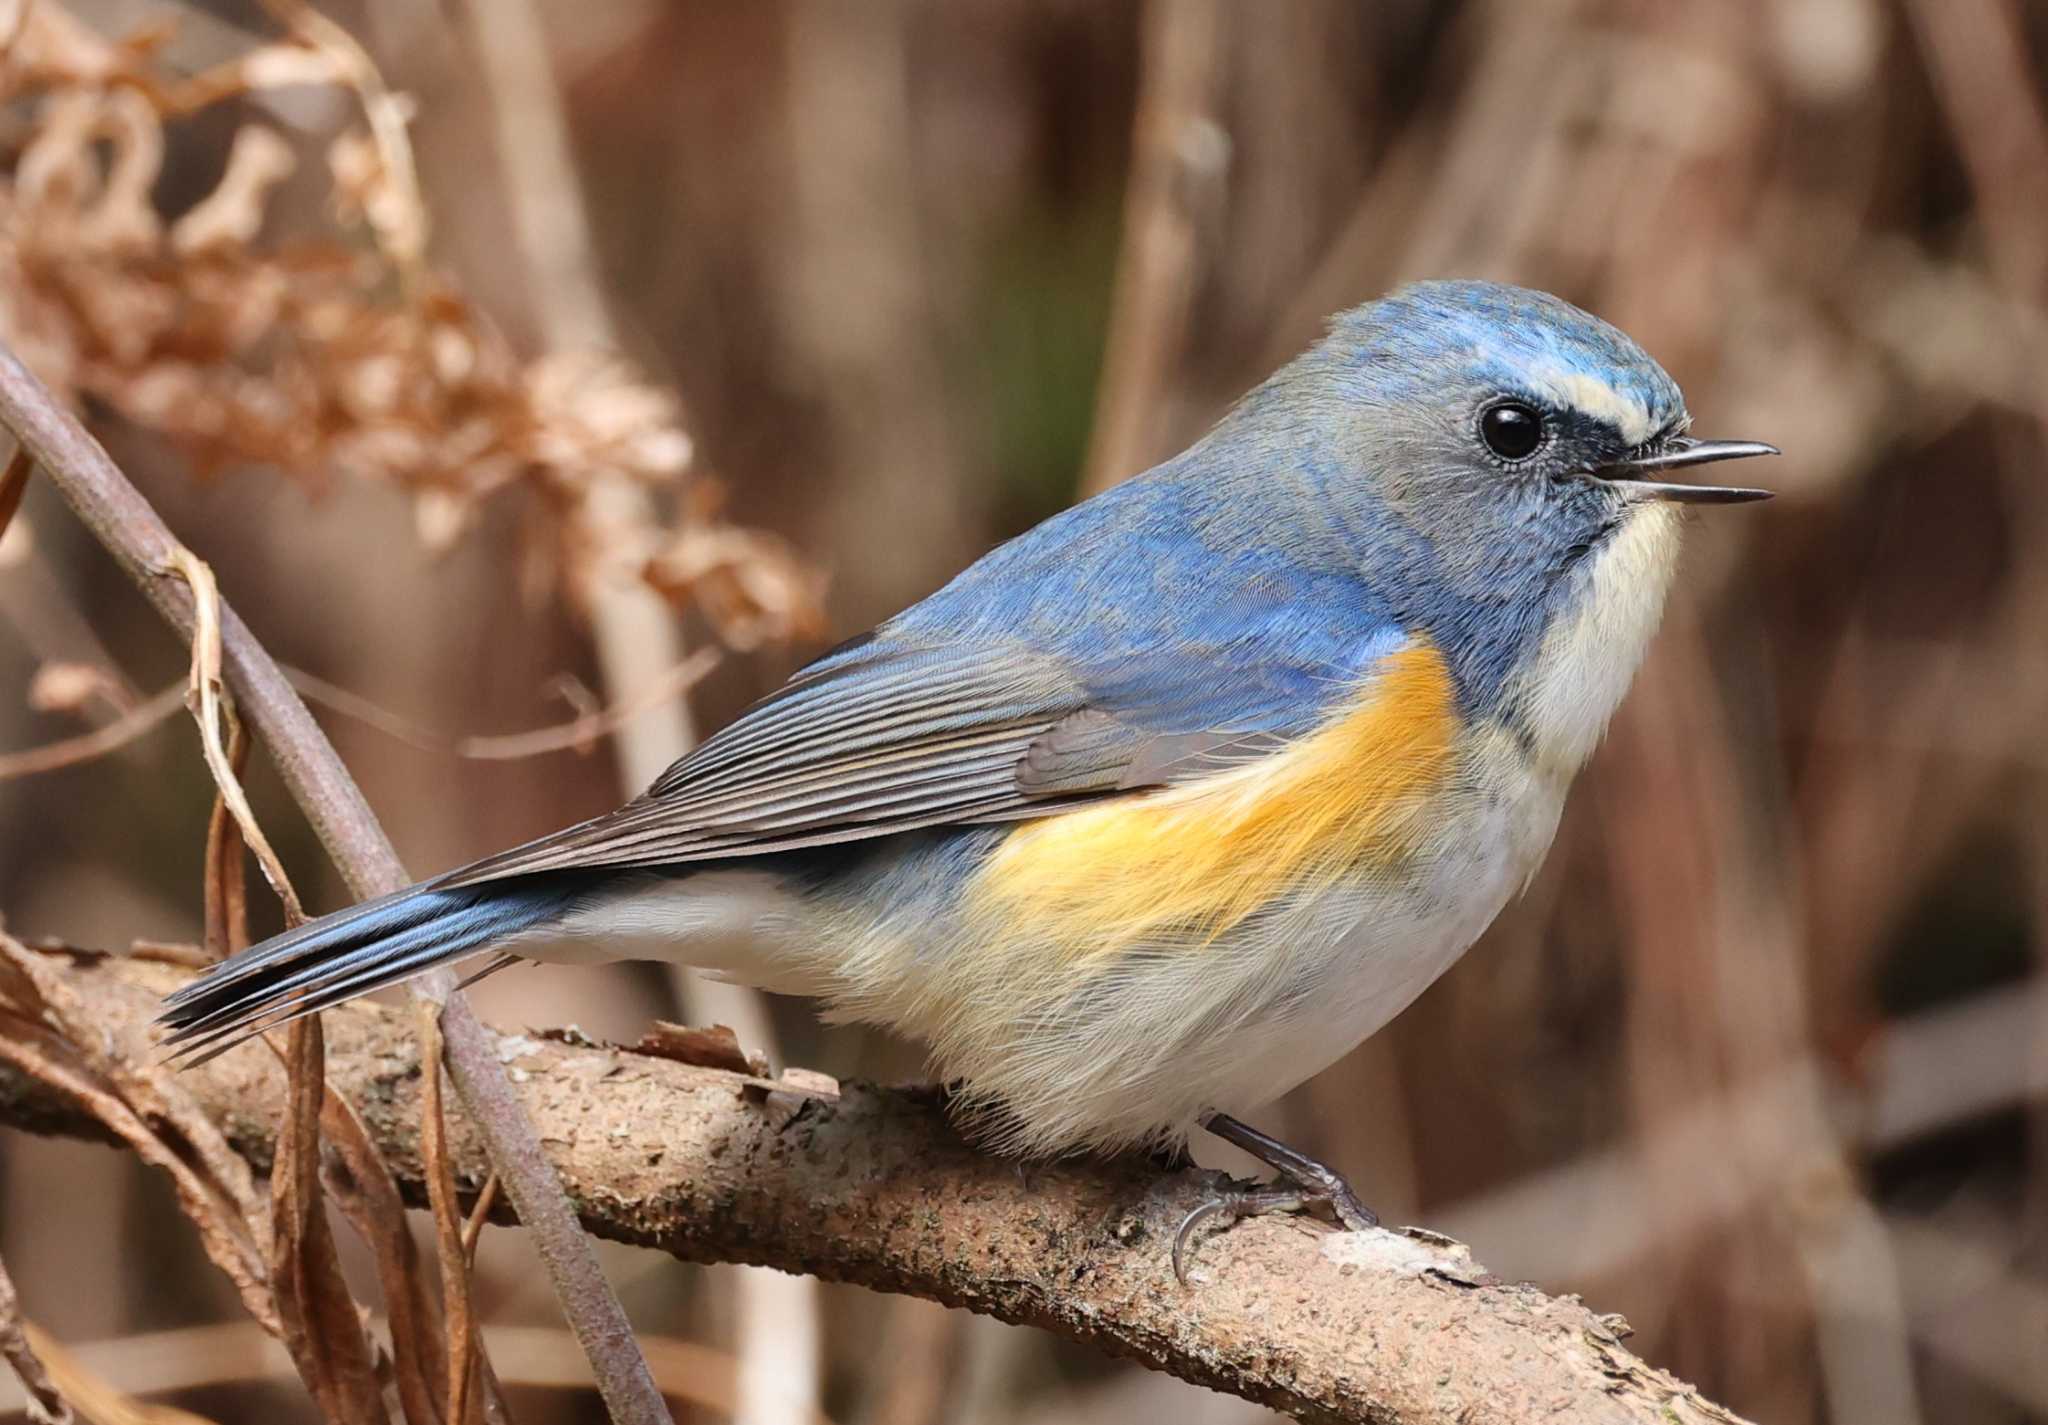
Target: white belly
x,y
1137,1050
1381,947
1131,1049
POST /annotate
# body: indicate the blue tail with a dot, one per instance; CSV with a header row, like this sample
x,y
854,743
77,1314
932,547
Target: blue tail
x,y
352,952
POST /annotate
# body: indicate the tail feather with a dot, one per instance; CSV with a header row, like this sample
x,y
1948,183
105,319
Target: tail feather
x,y
352,952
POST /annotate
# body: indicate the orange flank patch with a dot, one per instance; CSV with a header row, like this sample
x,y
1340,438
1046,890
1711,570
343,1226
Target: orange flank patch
x,y
1202,857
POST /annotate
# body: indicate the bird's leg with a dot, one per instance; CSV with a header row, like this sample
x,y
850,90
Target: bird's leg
x,y
1307,1183
1318,1182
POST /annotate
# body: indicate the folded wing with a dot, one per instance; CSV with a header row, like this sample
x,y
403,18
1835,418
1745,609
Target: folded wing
x,y
880,739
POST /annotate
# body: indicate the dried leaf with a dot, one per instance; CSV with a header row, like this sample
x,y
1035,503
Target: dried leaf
x,y
750,585
58,48
123,219
317,357
46,1404
279,65
716,1047
226,898
232,214
364,188
98,1400
209,703
323,1328
72,687
465,1400
361,1184
591,412
46,1032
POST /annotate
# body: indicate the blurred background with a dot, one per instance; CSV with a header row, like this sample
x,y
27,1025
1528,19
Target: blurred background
x,y
1761,1059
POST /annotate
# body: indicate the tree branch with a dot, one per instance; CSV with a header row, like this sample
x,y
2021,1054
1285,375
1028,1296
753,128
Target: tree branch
x,y
1177,160
871,1186
137,537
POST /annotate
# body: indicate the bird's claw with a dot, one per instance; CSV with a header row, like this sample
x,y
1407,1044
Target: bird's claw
x,y
1304,1182
1236,1204
1329,1188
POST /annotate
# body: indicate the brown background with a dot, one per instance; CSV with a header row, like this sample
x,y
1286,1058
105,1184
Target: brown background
x,y
1757,1061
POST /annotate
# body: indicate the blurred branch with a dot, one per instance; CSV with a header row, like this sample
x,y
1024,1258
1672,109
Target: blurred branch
x,y
131,531
157,1363
45,1405
636,633
872,1186
70,751
1977,55
576,734
96,1399
1178,153
139,540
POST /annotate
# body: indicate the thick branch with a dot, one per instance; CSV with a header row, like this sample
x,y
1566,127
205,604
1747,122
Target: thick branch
x,y
873,1187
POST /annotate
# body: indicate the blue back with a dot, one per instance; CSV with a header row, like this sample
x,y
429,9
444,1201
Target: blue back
x,y
1336,512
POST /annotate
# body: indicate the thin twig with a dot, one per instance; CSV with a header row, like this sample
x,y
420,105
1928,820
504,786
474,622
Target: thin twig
x,y
632,628
71,751
96,1398
479,1213
131,530
52,1035
13,485
575,734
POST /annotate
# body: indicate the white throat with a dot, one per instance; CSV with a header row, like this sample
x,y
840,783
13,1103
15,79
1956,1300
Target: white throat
x,y
1592,648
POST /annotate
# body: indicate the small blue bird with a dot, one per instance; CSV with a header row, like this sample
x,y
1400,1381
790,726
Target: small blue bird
x,y
1160,808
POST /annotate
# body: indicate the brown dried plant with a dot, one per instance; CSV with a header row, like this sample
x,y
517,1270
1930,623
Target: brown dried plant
x,y
333,354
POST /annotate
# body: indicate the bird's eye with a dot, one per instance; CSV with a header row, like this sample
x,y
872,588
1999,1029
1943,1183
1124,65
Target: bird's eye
x,y
1511,430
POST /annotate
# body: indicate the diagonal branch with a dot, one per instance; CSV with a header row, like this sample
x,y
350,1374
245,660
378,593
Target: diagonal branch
x,y
124,523
871,1186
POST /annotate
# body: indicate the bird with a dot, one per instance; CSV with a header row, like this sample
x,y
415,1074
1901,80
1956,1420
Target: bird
x,y
1163,806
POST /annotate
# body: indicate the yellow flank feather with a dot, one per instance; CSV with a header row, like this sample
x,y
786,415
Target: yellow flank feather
x,y
1193,861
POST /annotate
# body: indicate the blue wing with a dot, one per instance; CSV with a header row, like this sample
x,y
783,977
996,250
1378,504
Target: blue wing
x,y
1137,639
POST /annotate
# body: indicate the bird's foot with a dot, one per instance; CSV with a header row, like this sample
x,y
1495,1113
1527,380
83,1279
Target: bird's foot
x,y
1304,1183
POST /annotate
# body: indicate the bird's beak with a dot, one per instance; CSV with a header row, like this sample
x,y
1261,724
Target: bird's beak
x,y
1681,451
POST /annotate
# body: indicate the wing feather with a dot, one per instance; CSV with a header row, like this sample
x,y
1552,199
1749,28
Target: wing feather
x,y
889,739
884,736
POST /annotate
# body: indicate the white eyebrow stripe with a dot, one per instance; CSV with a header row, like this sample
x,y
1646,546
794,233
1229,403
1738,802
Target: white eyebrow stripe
x,y
1576,390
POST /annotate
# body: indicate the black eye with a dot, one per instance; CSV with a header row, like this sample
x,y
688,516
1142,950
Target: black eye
x,y
1511,430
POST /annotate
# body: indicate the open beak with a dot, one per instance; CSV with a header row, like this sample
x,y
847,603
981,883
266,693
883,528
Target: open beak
x,y
1681,451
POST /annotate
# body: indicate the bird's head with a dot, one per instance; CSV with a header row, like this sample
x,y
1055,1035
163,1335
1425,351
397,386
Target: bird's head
x,y
1489,436
1500,422
1498,461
